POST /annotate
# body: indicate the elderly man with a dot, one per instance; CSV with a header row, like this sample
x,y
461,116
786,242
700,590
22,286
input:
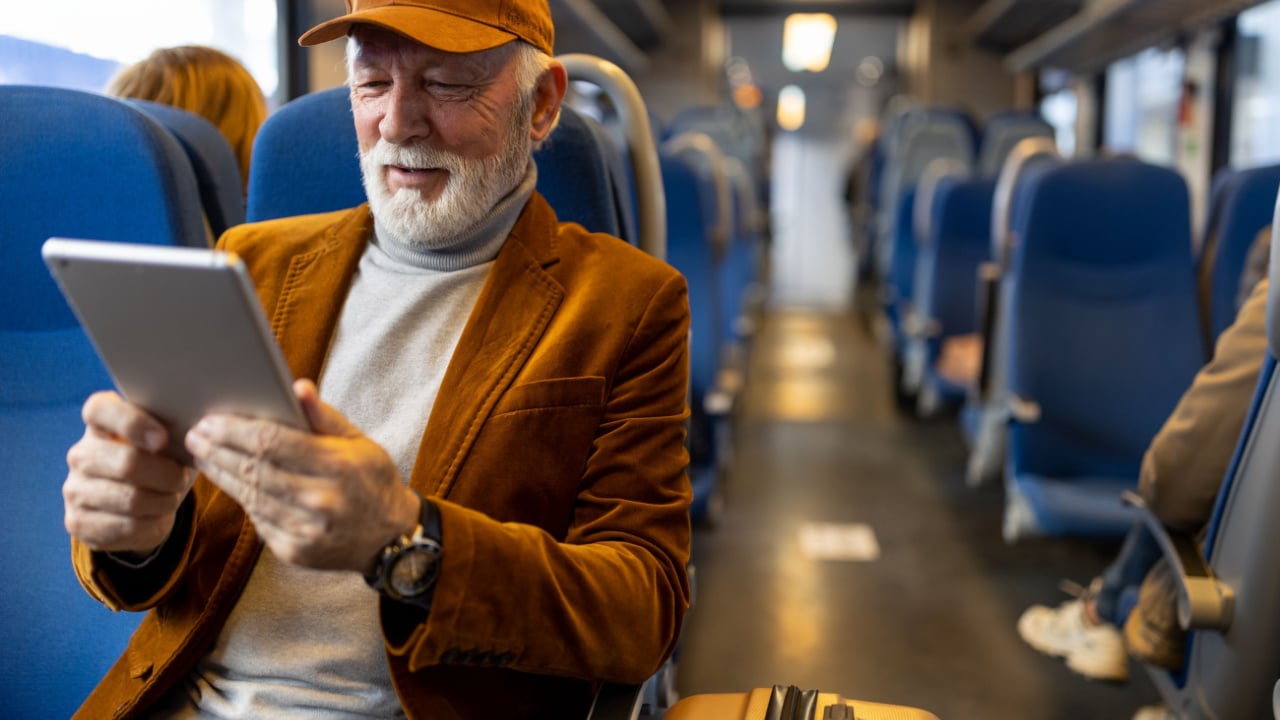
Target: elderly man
x,y
490,513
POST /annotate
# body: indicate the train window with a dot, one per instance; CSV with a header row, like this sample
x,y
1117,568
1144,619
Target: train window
x,y
80,44
1143,92
1256,111
1060,107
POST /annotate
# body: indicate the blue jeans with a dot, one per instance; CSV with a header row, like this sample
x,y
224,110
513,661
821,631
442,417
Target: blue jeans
x,y
1122,578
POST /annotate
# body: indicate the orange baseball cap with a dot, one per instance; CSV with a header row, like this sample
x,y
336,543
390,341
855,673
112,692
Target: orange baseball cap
x,y
458,26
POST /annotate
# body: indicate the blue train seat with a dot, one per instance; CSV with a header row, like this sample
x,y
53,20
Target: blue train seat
x,y
213,160
917,137
1002,133
120,177
957,242
1103,340
306,158
985,416
689,250
739,271
1228,589
1243,205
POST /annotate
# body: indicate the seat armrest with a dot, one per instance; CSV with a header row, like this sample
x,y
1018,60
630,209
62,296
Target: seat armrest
x,y
1204,601
615,701
1022,410
919,327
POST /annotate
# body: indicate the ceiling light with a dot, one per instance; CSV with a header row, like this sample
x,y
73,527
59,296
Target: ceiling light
x,y
807,39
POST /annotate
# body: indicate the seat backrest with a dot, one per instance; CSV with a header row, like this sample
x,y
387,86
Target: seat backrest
x,y
690,251
116,176
958,241
577,170
306,159
1028,159
1102,323
1230,673
212,158
1242,209
918,138
1003,132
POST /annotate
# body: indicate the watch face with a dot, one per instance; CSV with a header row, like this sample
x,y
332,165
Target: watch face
x,y
414,571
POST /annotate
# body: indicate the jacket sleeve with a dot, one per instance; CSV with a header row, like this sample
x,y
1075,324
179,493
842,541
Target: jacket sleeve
x,y
135,589
1186,462
607,602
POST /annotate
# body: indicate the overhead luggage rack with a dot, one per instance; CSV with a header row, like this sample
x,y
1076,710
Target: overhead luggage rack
x,y
1005,25
1104,31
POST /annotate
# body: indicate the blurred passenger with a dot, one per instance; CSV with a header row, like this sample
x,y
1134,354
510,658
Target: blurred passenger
x,y
204,81
1182,471
490,513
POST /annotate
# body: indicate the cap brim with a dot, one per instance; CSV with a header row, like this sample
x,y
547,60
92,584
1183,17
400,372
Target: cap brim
x,y
439,30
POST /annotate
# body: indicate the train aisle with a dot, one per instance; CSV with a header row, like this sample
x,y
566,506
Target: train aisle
x,y
826,466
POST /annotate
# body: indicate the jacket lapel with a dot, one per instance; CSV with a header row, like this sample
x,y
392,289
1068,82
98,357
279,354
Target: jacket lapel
x,y
314,290
514,309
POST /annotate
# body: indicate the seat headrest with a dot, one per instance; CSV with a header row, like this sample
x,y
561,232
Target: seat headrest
x,y
1110,211
82,165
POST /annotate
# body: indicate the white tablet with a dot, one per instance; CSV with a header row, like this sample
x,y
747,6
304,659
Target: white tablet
x,y
179,329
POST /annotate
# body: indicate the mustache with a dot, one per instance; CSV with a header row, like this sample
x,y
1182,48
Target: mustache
x,y
415,155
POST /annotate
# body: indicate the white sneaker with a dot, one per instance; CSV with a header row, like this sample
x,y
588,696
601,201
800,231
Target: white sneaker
x,y
1095,651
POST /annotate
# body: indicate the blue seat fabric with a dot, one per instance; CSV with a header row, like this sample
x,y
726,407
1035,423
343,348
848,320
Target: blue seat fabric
x,y
961,242
213,160
689,251
119,176
1244,208
1103,334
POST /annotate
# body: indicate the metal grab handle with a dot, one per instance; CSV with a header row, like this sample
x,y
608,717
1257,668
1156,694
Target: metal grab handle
x,y
643,152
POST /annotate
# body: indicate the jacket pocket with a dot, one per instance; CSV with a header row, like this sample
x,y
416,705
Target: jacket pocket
x,y
557,393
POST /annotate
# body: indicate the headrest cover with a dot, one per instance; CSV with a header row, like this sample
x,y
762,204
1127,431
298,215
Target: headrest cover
x,y
457,26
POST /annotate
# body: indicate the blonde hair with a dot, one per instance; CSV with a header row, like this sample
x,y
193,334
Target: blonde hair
x,y
204,81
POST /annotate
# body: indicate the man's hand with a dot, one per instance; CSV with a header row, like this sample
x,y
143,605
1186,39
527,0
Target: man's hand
x,y
329,500
120,495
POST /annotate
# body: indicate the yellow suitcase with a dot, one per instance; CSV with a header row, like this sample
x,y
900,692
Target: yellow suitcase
x,y
787,703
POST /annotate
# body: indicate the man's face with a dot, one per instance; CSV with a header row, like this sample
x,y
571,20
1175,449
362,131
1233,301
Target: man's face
x,y
442,136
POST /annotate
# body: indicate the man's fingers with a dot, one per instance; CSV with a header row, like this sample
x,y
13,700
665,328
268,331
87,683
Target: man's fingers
x,y
324,418
94,456
108,532
109,415
97,495
291,450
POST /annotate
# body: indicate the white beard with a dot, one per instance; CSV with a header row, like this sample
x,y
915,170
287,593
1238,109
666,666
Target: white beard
x,y
473,188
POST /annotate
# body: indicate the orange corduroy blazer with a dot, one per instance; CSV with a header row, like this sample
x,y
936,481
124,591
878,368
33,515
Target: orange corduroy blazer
x,y
555,451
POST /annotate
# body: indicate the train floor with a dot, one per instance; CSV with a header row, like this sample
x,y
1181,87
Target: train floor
x,y
827,469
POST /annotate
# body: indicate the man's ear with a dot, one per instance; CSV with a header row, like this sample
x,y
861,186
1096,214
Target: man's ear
x,y
547,96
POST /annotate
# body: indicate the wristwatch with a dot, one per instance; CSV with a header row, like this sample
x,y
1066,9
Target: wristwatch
x,y
406,569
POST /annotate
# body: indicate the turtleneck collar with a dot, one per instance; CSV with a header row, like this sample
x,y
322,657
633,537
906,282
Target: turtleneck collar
x,y
479,246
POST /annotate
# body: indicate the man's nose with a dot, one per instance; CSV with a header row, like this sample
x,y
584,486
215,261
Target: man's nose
x,y
406,116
